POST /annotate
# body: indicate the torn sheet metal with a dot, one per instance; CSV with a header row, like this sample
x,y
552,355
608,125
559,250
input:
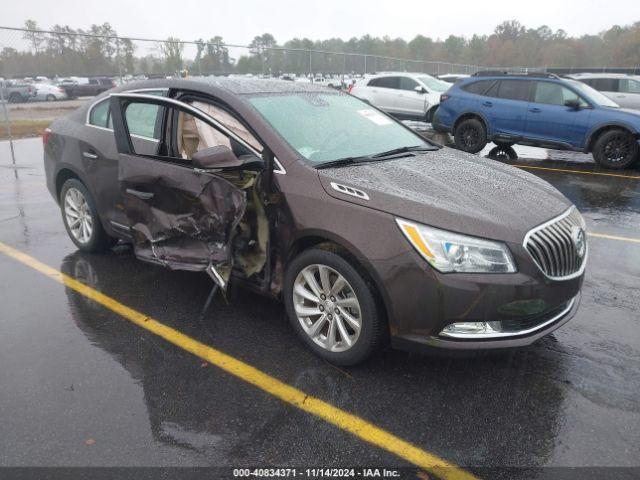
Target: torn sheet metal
x,y
189,222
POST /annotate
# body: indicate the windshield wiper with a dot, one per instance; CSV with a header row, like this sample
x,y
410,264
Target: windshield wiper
x,y
344,161
396,151
375,158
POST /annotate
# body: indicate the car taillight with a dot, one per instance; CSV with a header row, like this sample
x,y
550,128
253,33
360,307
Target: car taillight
x,y
45,136
444,97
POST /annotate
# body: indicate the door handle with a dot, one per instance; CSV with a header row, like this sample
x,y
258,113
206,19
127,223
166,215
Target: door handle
x,y
139,194
487,104
535,110
89,155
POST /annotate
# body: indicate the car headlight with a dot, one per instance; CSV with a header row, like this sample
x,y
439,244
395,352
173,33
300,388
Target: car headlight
x,y
452,252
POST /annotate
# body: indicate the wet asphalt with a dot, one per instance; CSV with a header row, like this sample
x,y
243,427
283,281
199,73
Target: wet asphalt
x,y
80,386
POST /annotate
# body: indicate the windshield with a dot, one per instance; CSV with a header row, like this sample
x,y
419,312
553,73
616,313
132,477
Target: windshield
x,y
435,85
592,94
324,127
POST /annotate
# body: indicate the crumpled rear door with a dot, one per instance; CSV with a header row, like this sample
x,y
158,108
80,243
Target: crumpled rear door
x,y
179,216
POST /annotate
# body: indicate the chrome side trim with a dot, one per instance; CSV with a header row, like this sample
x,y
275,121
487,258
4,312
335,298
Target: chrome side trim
x,y
346,190
479,336
562,216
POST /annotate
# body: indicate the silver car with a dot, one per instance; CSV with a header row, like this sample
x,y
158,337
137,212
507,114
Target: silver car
x,y
622,88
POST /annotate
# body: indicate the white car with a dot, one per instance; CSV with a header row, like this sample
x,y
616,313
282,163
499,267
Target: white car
x,y
407,96
452,77
622,88
48,92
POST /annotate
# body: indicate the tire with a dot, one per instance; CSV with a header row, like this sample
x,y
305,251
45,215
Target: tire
x,y
74,192
470,135
354,301
15,98
50,98
503,152
616,149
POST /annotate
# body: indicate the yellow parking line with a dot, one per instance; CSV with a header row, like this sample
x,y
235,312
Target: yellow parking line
x,y
271,385
532,167
614,237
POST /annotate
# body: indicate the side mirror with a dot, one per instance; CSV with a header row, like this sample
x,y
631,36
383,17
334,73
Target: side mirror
x,y
420,89
573,104
219,156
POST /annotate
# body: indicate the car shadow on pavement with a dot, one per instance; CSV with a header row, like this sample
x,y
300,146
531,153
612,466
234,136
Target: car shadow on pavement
x,y
443,402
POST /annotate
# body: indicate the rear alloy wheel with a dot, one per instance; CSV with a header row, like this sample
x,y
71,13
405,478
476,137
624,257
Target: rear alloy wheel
x,y
470,135
615,149
81,219
331,307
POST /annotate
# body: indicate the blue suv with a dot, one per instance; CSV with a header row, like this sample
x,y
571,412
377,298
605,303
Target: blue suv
x,y
540,110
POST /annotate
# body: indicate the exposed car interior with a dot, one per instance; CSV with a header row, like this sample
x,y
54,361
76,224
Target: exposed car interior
x,y
192,135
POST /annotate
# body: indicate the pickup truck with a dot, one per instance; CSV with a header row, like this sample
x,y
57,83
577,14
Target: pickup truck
x,y
94,86
16,92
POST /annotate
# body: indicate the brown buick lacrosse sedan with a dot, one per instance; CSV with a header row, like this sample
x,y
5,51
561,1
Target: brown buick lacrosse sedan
x,y
364,229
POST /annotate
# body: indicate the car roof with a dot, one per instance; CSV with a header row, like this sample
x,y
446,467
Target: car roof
x,y
233,85
602,75
395,74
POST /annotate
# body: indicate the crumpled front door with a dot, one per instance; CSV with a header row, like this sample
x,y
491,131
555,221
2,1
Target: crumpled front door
x,y
180,217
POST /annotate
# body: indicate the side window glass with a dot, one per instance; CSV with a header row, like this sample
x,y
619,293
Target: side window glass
x,y
478,87
389,82
514,90
142,119
373,82
229,121
407,83
99,115
606,84
493,91
555,94
629,85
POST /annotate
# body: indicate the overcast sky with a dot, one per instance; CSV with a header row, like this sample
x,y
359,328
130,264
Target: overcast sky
x,y
238,21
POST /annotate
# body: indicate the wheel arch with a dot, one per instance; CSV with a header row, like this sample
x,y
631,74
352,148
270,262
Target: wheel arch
x,y
472,114
330,241
64,173
593,136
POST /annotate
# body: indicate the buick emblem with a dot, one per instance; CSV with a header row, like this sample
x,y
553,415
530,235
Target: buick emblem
x,y
578,238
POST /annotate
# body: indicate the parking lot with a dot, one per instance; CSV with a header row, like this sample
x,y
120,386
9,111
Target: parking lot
x,y
112,364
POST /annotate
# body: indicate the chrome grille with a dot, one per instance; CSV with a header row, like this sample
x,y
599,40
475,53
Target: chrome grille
x,y
555,245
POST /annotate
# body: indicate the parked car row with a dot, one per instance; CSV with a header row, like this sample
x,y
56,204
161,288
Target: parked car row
x,y
15,92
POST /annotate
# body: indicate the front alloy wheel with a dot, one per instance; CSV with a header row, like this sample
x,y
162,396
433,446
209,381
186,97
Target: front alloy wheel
x,y
327,308
331,304
616,149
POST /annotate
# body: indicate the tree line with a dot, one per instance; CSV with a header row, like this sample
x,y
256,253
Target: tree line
x,y
99,51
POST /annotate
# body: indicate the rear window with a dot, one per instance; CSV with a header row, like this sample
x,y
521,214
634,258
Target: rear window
x,y
479,87
514,89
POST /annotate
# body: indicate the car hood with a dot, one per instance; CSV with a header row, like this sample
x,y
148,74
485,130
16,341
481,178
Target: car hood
x,y
452,190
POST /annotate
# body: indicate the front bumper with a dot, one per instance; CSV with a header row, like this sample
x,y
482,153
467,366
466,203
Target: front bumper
x,y
412,342
525,306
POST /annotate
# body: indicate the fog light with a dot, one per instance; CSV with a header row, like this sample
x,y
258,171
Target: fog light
x,y
461,329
